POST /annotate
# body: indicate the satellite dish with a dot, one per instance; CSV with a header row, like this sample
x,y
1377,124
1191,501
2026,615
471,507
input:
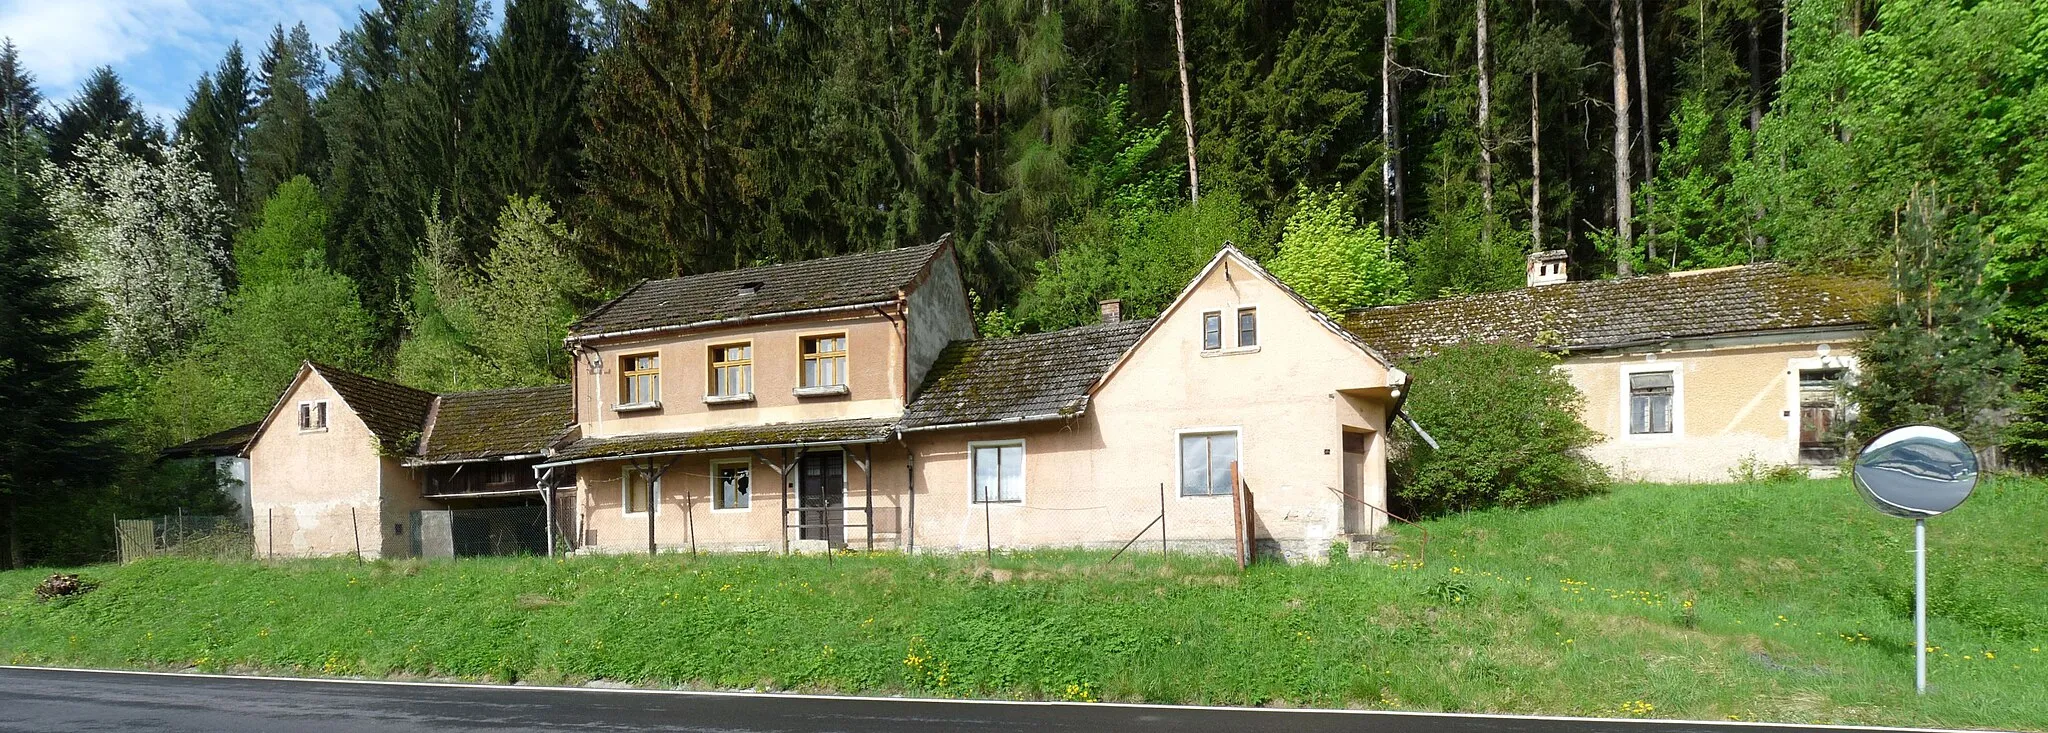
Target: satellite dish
x,y
1916,471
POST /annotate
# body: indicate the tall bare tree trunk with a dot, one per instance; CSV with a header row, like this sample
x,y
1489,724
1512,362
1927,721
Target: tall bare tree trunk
x,y
1624,201
979,185
1187,100
1390,166
1485,129
1535,160
1649,134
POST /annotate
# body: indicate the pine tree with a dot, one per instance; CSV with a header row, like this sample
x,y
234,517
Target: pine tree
x,y
48,428
428,111
529,119
373,224
285,140
21,103
104,108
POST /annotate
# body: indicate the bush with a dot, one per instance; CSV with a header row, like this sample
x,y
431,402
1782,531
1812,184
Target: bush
x,y
1506,422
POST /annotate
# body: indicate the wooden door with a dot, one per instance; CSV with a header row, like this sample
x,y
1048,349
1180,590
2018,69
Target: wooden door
x,y
821,485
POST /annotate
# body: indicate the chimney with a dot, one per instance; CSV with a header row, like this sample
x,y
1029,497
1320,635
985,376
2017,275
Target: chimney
x,y
1112,311
1546,267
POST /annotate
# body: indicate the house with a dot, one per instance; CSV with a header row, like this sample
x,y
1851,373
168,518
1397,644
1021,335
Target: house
x,y
346,463
1686,375
845,402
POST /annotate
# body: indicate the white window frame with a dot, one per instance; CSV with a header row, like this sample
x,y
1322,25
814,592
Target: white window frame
x,y
626,499
718,490
1623,411
1023,471
326,416
1179,491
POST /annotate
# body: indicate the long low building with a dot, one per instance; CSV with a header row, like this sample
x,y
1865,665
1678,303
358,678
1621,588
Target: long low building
x,y
1689,375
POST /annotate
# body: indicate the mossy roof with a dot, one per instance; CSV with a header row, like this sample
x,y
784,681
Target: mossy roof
x,y
854,279
1023,377
394,412
1601,314
740,437
493,424
224,443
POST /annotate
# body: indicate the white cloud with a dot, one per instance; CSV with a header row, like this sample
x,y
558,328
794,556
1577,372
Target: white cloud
x,y
158,46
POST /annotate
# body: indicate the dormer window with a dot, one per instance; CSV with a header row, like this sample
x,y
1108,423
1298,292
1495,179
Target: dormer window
x,y
751,287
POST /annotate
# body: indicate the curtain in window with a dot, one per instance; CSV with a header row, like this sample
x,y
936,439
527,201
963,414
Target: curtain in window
x,y
1649,402
998,473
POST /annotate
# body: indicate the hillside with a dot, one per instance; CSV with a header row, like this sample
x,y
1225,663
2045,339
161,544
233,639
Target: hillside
x,y
1756,602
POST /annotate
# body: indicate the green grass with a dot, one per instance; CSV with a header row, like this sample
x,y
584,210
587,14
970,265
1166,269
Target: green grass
x,y
1798,595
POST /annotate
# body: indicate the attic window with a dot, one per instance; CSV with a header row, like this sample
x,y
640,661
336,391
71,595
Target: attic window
x,y
313,416
750,288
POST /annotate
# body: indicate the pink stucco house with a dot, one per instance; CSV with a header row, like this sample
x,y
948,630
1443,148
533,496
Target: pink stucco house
x,y
846,402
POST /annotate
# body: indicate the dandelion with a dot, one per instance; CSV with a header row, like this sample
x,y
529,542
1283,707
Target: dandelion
x,y
1989,655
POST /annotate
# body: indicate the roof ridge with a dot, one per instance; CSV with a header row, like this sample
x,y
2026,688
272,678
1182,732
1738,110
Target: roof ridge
x,y
501,390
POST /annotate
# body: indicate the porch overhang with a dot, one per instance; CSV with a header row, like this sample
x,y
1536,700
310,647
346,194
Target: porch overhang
x,y
816,434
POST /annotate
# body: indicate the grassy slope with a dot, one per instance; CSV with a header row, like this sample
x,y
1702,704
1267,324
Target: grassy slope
x,y
1798,596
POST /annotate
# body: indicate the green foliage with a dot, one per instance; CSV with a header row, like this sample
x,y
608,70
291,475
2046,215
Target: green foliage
x,y
1506,420
289,235
285,139
1142,256
1933,357
1693,218
503,326
103,108
1449,257
1333,261
49,427
528,111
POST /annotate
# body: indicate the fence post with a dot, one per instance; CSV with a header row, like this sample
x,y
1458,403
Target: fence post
x,y
270,532
357,530
1162,524
988,533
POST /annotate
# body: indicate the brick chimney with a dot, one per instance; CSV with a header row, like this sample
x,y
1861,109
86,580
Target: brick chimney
x,y
1112,311
1546,267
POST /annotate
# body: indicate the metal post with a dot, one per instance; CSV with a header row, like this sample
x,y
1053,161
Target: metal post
x,y
910,487
648,476
867,473
357,530
988,533
1920,605
270,531
1162,523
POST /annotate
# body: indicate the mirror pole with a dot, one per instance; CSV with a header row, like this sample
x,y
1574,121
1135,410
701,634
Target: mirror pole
x,y
1920,605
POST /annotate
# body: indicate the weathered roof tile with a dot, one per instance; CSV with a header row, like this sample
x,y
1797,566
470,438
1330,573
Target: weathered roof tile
x,y
393,412
224,443
868,430
497,423
1024,377
854,279
1601,314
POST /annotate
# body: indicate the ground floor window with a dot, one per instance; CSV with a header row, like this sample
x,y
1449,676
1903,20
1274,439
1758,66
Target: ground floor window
x,y
998,471
639,490
732,485
1205,460
1649,402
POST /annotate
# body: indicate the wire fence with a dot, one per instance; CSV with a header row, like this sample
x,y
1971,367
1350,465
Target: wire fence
x,y
183,535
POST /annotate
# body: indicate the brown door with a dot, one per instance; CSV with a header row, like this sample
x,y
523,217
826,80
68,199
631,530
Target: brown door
x,y
821,485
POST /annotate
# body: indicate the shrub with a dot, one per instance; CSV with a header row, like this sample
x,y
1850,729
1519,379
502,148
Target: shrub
x,y
1506,422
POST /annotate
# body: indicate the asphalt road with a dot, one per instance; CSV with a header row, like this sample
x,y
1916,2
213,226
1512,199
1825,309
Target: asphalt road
x,y
67,700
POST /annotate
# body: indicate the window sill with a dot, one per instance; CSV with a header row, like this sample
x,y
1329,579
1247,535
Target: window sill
x,y
312,430
733,510
998,502
1231,352
728,399
829,390
636,407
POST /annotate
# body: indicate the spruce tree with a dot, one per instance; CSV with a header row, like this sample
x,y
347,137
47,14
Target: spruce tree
x,y
285,140
529,115
46,430
428,108
21,103
370,230
103,107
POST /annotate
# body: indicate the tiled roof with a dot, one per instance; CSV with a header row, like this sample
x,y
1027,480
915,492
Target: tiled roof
x,y
854,279
394,412
1031,376
224,443
497,423
1611,313
872,430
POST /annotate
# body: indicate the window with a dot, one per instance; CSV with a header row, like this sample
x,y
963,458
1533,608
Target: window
x,y
1205,460
313,415
1212,331
1247,327
732,370
824,361
998,472
638,490
732,485
642,375
1649,402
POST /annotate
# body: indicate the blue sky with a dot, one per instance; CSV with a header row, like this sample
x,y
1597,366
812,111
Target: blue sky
x,y
159,47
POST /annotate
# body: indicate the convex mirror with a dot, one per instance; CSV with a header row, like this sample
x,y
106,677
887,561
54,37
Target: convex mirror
x,y
1916,471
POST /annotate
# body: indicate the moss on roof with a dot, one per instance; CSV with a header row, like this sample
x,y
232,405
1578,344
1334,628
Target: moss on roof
x,y
393,412
491,424
1601,314
1039,375
872,430
224,443
854,279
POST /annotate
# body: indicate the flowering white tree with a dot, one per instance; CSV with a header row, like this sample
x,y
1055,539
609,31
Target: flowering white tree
x,y
152,240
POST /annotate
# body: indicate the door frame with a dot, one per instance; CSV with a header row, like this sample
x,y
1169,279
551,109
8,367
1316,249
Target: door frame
x,y
835,532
